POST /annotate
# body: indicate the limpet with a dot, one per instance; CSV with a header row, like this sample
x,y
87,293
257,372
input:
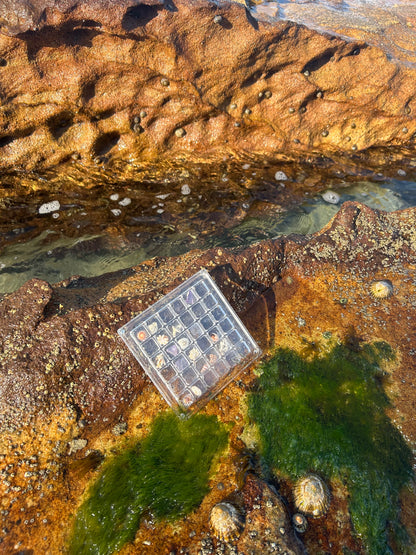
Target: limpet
x,y
226,522
311,495
381,289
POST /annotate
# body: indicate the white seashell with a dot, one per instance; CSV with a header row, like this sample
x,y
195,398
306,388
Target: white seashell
x,y
226,522
311,495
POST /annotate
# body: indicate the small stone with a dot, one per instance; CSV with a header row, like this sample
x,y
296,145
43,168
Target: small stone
x,y
114,197
401,172
237,124
260,95
233,106
136,119
49,207
165,82
280,176
267,94
296,141
125,202
325,133
331,197
354,147
306,73
319,94
247,111
405,130
143,114
353,126
292,110
217,19
185,189
180,132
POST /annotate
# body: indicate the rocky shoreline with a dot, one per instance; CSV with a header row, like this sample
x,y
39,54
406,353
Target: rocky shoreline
x,y
69,386
98,82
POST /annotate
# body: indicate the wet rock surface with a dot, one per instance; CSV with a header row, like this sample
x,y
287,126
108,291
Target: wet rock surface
x,y
67,382
99,82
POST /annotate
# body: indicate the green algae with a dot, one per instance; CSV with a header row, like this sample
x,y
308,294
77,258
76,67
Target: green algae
x,y
328,415
165,476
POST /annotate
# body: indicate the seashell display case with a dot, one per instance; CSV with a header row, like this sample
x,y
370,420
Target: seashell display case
x,y
190,343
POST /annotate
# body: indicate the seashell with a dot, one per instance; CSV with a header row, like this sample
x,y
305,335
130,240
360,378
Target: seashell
x,y
226,522
141,335
153,327
381,289
311,495
162,339
193,354
300,523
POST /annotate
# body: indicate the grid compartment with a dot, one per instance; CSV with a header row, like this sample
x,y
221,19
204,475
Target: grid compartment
x,y
190,343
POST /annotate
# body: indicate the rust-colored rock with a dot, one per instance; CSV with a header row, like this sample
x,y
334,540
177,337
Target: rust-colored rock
x,y
101,81
67,382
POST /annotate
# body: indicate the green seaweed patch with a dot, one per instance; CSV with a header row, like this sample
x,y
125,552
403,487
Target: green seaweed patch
x,y
165,476
328,415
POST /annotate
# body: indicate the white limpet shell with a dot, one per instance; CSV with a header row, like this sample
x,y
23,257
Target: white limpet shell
x,y
226,522
381,289
311,495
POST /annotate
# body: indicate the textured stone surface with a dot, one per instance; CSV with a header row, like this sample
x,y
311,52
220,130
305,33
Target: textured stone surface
x,y
66,380
107,81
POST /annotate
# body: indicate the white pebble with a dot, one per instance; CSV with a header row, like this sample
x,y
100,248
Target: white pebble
x,y
185,189
160,210
48,207
116,211
246,166
163,197
401,172
280,176
331,197
125,202
55,215
114,197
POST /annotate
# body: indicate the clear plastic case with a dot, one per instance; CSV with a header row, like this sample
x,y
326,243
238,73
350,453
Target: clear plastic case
x,y
191,343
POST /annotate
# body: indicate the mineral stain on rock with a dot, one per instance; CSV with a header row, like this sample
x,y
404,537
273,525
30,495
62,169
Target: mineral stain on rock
x,y
328,414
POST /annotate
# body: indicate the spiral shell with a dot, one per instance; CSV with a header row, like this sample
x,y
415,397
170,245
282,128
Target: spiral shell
x,y
381,289
226,522
311,495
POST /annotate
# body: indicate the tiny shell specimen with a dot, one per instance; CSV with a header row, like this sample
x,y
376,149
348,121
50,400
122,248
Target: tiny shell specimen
x,y
226,522
153,327
159,361
300,523
214,337
141,335
162,339
193,354
311,495
183,342
381,289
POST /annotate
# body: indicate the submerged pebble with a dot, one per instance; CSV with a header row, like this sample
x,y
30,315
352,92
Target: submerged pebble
x,y
331,197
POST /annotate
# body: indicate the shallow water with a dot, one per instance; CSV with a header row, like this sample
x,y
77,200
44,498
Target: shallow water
x,y
103,224
387,24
